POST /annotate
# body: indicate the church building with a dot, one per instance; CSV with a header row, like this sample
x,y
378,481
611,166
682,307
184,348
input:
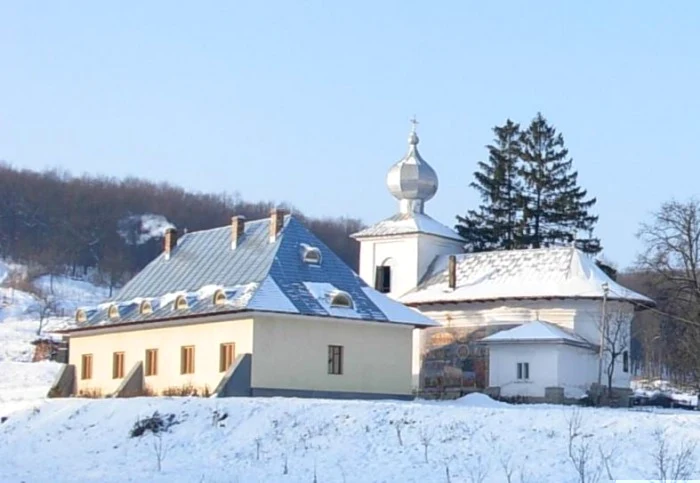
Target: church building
x,y
543,323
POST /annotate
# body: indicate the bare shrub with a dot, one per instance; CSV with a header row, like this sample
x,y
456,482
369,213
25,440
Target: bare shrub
x,y
186,390
426,437
258,443
159,449
580,451
398,426
673,466
90,393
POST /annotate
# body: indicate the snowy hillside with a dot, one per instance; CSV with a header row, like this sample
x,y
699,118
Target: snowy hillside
x,y
22,381
476,438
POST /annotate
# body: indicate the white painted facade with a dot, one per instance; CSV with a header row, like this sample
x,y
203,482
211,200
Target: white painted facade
x,y
408,256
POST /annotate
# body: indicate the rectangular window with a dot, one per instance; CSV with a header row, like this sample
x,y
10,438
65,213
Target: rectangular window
x,y
523,371
335,359
187,360
625,361
151,362
118,365
86,367
382,279
227,353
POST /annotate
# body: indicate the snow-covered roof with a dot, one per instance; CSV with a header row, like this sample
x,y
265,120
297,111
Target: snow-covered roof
x,y
408,223
256,275
560,272
537,331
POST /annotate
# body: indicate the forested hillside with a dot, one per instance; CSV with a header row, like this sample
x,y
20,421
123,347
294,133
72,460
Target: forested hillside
x,y
59,223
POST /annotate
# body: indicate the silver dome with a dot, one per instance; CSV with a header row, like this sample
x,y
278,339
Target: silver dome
x,y
412,181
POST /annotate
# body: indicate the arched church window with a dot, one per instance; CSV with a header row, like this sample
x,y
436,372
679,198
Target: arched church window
x,y
382,277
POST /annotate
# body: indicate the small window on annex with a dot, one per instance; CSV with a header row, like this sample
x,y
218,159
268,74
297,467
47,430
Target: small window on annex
x,y
335,359
625,361
523,371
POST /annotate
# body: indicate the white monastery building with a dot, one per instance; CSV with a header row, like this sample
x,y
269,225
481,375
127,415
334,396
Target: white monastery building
x,y
520,323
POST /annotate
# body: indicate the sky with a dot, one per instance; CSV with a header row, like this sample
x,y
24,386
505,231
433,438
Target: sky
x,y
308,102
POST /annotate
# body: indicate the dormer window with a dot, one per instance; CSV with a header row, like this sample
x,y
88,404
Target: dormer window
x,y
80,316
181,303
310,255
146,308
341,300
113,312
219,297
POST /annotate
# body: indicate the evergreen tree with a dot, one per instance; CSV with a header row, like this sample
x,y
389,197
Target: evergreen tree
x,y
496,224
556,208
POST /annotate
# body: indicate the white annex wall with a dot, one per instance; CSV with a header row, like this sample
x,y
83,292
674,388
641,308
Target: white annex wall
x,y
543,360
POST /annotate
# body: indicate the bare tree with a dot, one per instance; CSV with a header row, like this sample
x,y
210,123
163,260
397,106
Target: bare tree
x,y
672,256
45,305
426,437
615,331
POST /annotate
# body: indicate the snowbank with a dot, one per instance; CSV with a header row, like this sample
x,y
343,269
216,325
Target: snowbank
x,y
480,400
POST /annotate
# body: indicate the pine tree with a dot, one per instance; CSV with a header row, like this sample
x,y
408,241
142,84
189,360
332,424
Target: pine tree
x,y
556,208
496,224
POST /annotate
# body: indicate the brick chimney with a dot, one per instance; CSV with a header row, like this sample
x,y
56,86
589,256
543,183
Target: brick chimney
x,y
237,229
276,222
169,242
452,272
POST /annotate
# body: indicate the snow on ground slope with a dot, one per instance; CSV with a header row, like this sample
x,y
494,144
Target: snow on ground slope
x,y
345,441
21,381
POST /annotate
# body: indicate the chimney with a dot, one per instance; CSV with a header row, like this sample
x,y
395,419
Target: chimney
x,y
237,229
452,272
170,241
276,222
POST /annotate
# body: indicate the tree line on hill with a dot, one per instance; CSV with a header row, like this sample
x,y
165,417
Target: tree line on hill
x,y
63,224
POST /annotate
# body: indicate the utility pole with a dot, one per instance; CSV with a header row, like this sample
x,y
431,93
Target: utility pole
x,y
603,329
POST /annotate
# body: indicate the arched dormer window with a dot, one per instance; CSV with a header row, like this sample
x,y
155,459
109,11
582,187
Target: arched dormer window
x,y
310,255
181,303
113,312
341,300
80,316
219,297
146,308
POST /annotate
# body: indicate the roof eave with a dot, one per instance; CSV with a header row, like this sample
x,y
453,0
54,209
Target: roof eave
x,y
640,304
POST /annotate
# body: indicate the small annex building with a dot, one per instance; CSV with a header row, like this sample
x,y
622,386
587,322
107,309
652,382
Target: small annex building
x,y
259,308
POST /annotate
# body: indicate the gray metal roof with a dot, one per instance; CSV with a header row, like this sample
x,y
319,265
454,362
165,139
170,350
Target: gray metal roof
x,y
256,275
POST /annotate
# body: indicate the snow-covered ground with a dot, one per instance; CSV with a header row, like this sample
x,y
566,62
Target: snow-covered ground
x,y
345,441
22,382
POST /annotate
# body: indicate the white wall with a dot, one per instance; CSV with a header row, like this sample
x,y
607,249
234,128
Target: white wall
x,y
577,368
403,251
543,360
292,353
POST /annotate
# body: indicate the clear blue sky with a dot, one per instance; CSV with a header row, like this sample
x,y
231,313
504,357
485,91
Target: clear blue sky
x,y
308,102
